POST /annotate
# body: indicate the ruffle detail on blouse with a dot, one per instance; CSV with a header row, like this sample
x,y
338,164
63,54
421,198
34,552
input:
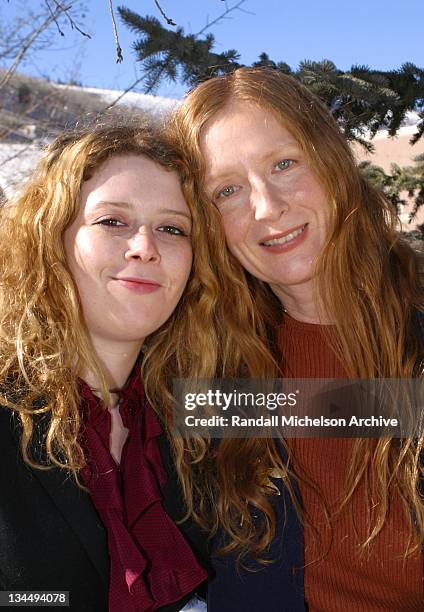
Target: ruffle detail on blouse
x,y
151,563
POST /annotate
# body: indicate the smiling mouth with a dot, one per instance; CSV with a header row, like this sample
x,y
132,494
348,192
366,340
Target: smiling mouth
x,y
139,285
138,281
286,238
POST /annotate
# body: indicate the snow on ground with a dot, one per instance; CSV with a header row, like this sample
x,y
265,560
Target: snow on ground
x,y
155,105
16,164
409,127
17,160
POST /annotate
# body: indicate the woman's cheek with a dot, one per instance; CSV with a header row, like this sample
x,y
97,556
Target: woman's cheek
x,y
235,227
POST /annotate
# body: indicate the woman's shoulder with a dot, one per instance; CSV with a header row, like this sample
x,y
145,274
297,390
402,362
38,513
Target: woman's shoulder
x,y
11,429
9,422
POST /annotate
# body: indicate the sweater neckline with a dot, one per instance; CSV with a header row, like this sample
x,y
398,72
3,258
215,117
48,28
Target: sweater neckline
x,y
289,323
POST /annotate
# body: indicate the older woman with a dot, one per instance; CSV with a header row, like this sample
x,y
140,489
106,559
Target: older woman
x,y
105,269
320,250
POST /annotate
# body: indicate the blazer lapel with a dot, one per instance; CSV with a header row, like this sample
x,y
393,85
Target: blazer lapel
x,y
172,500
76,507
73,503
174,505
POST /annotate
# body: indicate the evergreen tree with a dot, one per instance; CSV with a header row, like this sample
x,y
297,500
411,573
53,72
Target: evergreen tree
x,y
168,54
362,100
411,180
408,85
400,183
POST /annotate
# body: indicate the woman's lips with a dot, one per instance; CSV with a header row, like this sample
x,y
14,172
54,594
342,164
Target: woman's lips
x,y
139,285
281,243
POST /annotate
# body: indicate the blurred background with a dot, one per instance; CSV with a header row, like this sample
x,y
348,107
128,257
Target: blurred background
x,y
64,63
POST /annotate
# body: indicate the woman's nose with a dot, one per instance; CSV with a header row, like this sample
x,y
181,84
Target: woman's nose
x,y
267,202
143,246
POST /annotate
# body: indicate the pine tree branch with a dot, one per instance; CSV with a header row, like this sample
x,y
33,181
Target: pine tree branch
x,y
169,21
420,131
119,56
361,100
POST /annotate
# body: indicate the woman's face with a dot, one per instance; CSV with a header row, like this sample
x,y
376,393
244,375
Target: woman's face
x,y
274,210
129,249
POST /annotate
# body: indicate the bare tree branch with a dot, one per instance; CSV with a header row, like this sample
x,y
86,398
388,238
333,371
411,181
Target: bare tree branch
x,y
156,81
228,10
119,56
72,22
169,21
46,2
131,87
27,44
123,93
14,32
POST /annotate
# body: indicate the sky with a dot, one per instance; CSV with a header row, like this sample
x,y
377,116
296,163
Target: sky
x,y
381,34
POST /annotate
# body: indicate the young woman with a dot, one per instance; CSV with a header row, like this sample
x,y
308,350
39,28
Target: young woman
x,y
320,250
107,268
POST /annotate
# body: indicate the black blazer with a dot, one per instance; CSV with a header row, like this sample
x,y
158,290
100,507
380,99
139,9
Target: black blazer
x,y
51,537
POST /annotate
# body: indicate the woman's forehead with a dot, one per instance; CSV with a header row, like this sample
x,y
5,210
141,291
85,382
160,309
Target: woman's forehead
x,y
243,128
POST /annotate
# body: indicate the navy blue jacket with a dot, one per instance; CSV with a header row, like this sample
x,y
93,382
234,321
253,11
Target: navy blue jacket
x,y
278,586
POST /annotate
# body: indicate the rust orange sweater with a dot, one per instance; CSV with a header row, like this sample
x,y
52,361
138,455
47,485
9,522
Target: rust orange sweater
x,y
345,579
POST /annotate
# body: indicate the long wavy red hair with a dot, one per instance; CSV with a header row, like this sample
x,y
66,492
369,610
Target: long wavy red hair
x,y
365,270
44,342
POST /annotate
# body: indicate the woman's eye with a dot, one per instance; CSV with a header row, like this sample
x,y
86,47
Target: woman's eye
x,y
226,192
284,164
110,222
172,230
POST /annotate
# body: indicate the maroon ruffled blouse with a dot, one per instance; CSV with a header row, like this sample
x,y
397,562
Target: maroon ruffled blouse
x,y
151,564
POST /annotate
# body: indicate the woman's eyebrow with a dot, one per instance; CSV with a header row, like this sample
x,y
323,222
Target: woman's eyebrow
x,y
128,205
281,149
118,203
213,178
173,211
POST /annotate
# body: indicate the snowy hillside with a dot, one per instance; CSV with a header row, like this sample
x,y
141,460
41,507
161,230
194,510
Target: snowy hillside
x,y
16,163
154,105
17,160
